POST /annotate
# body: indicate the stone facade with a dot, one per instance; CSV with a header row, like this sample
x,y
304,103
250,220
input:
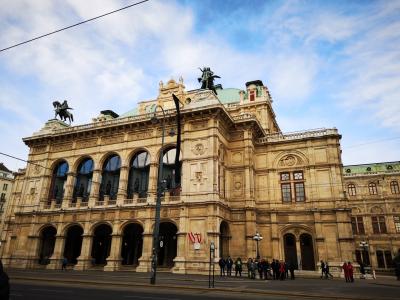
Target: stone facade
x,y
374,197
91,194
6,184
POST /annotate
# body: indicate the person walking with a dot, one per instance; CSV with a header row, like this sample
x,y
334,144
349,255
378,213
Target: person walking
x,y
260,269
273,268
327,273
346,272
253,267
282,271
350,271
64,264
290,266
322,269
222,264
229,264
238,267
4,284
249,261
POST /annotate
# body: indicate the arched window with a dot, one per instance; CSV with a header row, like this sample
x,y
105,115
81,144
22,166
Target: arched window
x,y
394,187
58,181
139,175
372,188
169,171
83,181
110,177
351,189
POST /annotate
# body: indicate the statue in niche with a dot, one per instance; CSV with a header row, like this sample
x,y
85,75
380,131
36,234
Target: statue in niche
x,y
207,79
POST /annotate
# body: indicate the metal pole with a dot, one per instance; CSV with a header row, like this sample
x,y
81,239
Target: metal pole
x,y
209,270
213,268
258,256
156,230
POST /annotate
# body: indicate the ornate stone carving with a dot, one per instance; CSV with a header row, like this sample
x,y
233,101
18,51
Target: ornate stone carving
x,y
86,143
135,136
290,161
198,149
237,157
62,147
238,185
39,149
112,139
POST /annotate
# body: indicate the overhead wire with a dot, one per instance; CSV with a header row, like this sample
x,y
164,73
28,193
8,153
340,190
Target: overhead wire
x,y
74,25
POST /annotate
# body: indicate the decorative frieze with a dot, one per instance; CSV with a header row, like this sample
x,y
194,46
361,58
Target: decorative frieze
x,y
62,147
86,143
112,139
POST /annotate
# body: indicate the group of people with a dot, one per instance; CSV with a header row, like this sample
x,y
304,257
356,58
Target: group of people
x,y
348,272
325,274
274,270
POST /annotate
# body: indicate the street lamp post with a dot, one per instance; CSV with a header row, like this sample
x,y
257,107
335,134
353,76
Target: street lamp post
x,y
212,255
160,190
160,185
257,237
364,245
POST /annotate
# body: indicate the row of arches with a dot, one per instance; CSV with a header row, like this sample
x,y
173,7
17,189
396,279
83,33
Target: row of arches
x,y
138,178
131,247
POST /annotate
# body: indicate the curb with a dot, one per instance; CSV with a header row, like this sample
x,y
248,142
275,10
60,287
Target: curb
x,y
184,287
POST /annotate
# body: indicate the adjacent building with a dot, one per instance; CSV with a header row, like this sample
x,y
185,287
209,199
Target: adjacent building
x,y
89,193
6,184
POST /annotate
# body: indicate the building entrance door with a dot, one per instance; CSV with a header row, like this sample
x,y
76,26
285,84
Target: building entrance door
x,y
132,244
47,242
307,252
290,249
167,245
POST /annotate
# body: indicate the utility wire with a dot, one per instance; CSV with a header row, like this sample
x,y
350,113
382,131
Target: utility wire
x,y
74,25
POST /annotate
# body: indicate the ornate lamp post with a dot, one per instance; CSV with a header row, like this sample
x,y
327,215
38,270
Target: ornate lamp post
x,y
160,185
257,237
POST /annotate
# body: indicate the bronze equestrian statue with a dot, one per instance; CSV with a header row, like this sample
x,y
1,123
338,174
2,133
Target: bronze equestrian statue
x,y
61,109
207,79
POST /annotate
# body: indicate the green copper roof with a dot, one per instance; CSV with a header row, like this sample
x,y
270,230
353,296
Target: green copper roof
x,y
384,167
132,112
229,95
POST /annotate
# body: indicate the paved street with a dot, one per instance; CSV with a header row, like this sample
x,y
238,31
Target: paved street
x,y
45,283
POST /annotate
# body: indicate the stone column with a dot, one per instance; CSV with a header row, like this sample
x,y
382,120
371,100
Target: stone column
x,y
69,188
298,250
145,259
33,242
114,259
56,258
94,193
123,184
85,259
153,179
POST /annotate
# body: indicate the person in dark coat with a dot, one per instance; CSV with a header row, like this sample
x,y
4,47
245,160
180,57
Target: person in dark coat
x,y
282,270
249,261
238,267
290,266
229,264
322,269
4,284
273,268
327,273
222,264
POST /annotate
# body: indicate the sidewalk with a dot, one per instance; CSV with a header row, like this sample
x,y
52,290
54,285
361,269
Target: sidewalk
x,y
382,288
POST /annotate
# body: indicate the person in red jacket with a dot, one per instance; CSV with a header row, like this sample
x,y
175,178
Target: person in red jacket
x,y
346,272
350,271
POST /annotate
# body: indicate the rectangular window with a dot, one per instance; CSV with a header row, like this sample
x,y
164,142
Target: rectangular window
x,y
375,224
354,225
285,176
286,192
397,223
5,187
380,259
389,259
360,225
299,189
252,96
298,175
3,197
382,224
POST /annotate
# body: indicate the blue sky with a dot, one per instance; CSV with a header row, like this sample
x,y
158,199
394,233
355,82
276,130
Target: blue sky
x,y
326,63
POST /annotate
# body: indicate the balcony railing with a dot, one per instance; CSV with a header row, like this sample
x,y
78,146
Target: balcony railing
x,y
297,135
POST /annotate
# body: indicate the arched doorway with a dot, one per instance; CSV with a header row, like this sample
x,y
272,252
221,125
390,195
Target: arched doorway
x,y
168,244
224,236
307,252
132,244
101,244
139,171
73,244
289,241
47,242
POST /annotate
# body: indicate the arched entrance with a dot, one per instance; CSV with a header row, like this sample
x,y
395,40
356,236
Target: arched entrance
x,y
73,244
132,244
101,244
47,241
168,244
307,252
224,235
289,241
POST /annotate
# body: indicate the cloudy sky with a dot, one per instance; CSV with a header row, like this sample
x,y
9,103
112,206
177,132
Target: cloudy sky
x,y
326,63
